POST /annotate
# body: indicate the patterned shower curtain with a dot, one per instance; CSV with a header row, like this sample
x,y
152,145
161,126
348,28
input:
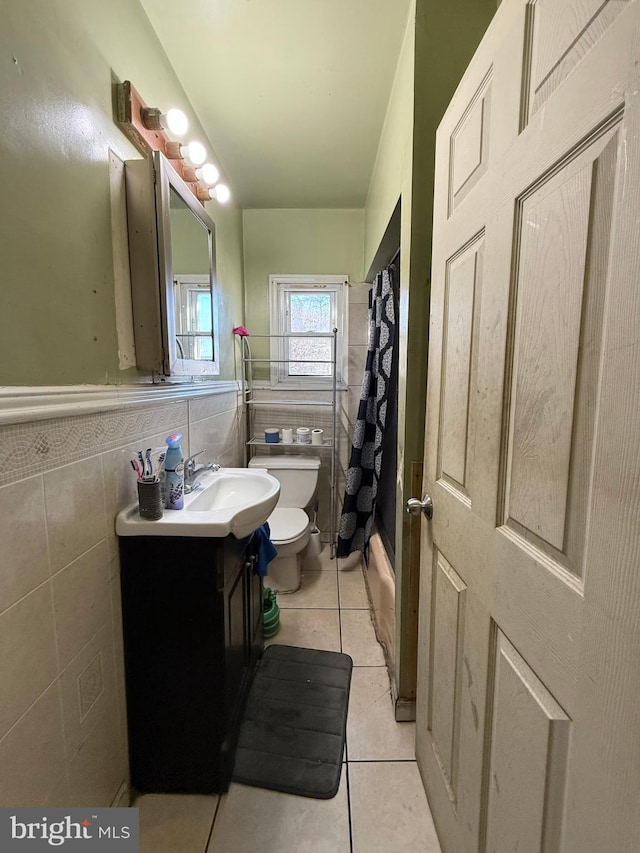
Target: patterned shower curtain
x,y
365,463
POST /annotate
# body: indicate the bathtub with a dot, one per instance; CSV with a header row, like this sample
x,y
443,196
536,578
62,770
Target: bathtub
x,y
382,592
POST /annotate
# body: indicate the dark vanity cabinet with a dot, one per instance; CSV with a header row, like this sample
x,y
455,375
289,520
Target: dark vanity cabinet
x,y
193,633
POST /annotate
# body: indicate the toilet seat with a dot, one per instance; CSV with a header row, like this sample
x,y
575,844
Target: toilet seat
x,y
287,524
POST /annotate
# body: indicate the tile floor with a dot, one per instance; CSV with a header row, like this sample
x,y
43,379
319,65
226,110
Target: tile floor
x,y
380,806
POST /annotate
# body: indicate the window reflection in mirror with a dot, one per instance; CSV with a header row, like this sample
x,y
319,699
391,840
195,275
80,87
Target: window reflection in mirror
x,y
192,298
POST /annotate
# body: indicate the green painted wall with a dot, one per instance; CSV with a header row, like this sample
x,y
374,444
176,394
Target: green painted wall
x,y
59,61
312,242
391,176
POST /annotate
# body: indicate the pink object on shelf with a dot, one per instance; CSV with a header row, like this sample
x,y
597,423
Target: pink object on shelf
x,y
240,330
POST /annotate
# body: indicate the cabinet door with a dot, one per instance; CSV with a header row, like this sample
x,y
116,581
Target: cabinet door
x,y
256,626
173,620
236,659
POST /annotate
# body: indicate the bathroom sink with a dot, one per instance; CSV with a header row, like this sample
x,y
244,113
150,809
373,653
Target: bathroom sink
x,y
231,500
229,489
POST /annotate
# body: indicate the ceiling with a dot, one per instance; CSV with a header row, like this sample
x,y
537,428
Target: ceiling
x,y
291,93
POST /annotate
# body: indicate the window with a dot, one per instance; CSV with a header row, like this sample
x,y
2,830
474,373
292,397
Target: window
x,y
306,309
193,317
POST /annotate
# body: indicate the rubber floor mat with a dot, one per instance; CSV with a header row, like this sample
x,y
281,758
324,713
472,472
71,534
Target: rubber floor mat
x,y
293,730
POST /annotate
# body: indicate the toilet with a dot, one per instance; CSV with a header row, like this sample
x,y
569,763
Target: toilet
x,y
289,523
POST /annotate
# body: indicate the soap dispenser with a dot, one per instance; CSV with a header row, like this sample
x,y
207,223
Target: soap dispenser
x,y
174,470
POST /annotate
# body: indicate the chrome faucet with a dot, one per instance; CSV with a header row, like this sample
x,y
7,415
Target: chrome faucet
x,y
193,472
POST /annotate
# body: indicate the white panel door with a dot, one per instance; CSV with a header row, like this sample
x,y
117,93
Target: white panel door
x,y
529,660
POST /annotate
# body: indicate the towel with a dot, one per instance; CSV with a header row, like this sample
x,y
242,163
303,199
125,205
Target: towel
x,y
265,550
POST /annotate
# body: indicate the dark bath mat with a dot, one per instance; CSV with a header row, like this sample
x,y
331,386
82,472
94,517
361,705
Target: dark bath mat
x,y
293,730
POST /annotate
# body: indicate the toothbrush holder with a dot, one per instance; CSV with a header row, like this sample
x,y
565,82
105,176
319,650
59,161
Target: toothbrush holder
x,y
150,499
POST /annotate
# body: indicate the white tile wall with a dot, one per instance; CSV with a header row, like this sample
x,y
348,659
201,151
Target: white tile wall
x,y
81,601
62,482
72,492
28,662
32,754
358,324
97,656
23,533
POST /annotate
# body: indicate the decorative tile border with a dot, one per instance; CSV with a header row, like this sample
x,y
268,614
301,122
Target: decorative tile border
x,y
33,448
45,428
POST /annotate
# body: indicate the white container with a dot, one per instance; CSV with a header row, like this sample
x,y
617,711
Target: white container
x,y
287,436
317,436
303,435
314,546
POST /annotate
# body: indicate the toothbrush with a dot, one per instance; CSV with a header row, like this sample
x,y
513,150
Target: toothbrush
x,y
148,464
157,459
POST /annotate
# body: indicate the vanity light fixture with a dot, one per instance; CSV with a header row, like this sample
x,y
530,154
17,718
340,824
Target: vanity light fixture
x,y
145,127
173,120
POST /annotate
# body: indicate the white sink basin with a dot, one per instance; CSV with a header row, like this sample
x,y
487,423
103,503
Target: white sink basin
x,y
231,500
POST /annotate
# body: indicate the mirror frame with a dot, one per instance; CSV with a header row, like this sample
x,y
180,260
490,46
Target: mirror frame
x,y
148,186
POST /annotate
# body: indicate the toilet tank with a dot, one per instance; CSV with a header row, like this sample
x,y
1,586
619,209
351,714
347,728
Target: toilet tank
x,y
298,477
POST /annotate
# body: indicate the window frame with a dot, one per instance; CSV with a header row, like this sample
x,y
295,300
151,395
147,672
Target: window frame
x,y
194,282
279,288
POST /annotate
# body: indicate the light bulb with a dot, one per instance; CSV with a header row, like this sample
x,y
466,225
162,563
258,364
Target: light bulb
x,y
194,151
176,122
208,174
221,193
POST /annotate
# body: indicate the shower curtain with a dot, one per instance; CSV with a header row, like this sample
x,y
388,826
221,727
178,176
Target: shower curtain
x,y
365,463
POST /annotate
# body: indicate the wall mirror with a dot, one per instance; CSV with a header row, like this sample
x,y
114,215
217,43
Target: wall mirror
x,y
173,279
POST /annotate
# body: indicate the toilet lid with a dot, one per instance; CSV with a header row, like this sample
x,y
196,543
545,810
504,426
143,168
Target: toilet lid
x,y
287,524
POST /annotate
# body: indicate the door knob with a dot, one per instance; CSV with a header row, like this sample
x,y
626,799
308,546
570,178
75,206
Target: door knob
x,y
416,506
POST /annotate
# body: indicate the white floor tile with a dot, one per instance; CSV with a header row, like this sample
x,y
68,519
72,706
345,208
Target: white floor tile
x,y
353,592
309,629
254,819
359,638
372,732
389,809
318,589
353,561
175,822
322,562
